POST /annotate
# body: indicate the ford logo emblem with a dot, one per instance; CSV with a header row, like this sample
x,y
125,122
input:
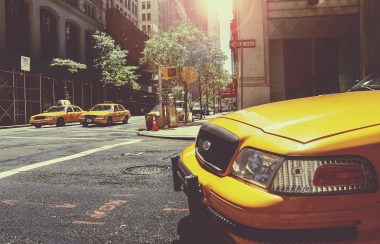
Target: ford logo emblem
x,y
206,145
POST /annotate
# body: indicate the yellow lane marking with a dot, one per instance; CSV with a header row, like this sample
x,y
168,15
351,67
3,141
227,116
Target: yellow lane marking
x,y
62,159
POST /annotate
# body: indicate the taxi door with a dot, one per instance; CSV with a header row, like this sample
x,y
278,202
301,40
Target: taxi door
x,y
69,115
116,113
77,112
124,112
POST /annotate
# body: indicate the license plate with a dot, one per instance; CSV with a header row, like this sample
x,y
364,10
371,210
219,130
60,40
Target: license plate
x,y
88,120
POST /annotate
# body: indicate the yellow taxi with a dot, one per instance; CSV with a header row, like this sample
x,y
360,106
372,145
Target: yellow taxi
x,y
297,171
57,115
105,113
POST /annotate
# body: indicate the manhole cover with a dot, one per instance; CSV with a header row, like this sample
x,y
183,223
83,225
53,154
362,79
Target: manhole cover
x,y
146,170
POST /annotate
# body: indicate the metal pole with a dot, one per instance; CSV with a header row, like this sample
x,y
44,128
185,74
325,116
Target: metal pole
x,y
82,95
91,95
162,115
25,98
14,97
40,94
242,78
54,91
72,88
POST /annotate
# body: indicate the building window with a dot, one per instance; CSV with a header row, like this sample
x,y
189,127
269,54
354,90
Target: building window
x,y
144,28
148,5
89,50
90,9
129,5
143,17
49,35
73,3
136,10
149,29
72,41
149,17
17,27
143,5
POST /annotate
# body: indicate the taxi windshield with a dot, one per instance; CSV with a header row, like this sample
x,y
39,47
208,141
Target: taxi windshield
x,y
102,108
55,109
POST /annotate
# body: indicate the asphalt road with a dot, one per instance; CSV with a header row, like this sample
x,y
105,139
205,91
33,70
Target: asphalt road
x,y
88,185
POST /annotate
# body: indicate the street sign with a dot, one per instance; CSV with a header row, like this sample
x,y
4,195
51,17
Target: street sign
x,y
189,74
243,43
25,63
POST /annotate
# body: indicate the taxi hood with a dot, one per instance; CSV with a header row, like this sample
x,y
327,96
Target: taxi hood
x,y
313,118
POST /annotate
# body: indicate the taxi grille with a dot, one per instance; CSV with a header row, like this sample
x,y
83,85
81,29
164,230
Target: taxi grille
x,y
215,146
90,116
39,117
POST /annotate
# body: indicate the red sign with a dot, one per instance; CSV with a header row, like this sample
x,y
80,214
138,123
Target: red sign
x,y
231,90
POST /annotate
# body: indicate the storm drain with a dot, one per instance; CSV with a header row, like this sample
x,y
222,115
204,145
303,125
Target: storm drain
x,y
146,170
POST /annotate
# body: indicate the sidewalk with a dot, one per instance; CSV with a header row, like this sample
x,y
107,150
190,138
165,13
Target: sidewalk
x,y
182,132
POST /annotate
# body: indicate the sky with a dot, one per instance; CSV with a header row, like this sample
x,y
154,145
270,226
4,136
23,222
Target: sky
x,y
224,9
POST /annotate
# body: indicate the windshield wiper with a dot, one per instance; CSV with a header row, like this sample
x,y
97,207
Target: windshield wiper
x,y
362,88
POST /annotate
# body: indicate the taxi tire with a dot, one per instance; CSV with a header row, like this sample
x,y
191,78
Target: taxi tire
x,y
60,122
109,121
84,124
38,126
125,121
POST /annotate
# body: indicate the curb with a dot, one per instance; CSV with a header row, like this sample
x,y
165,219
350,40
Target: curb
x,y
13,126
185,138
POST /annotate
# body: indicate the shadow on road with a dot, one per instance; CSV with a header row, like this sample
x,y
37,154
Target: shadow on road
x,y
190,232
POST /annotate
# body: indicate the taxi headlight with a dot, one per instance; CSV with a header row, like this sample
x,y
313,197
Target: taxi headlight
x,y
81,116
255,166
100,117
50,117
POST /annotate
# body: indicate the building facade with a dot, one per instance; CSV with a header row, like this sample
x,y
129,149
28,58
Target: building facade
x,y
129,8
302,47
44,29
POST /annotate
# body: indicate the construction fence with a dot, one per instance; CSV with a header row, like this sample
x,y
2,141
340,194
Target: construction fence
x,y
23,95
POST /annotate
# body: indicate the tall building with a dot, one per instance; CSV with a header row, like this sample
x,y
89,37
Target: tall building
x,y
159,15
129,8
44,29
302,48
197,12
214,27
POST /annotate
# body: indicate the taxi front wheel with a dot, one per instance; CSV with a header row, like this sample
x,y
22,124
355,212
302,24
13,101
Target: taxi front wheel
x,y
125,121
38,126
60,122
109,121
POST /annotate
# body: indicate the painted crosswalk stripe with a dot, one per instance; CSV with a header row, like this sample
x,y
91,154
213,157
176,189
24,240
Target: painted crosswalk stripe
x,y
63,159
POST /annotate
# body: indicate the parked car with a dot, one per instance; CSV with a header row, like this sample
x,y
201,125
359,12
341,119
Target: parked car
x,y
297,171
196,109
180,109
105,113
57,115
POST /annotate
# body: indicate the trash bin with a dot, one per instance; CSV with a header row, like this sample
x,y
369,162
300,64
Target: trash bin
x,y
148,121
172,115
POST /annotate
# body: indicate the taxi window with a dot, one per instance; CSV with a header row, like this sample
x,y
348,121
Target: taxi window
x,y
116,108
77,109
69,110
121,108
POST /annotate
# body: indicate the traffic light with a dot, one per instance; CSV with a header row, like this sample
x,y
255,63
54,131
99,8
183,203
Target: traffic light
x,y
169,73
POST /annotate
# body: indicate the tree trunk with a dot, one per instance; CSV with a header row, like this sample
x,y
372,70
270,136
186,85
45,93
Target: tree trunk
x,y
186,96
200,97
206,95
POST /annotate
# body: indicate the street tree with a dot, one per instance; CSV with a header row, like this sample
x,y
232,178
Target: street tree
x,y
175,47
112,62
209,60
69,67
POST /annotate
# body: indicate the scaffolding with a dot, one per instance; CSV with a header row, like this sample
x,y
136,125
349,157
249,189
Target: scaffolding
x,y
23,95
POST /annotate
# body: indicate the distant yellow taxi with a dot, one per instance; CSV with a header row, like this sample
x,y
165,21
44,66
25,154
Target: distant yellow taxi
x,y
297,171
105,113
57,115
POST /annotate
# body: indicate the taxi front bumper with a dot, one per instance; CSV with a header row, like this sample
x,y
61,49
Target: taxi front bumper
x,y
184,180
